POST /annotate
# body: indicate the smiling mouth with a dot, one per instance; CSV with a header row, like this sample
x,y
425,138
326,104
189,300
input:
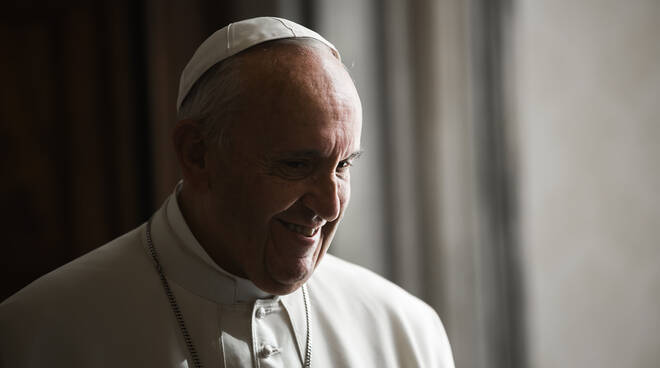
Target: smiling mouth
x,y
303,230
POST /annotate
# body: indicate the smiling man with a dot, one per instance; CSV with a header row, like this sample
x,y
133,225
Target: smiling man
x,y
232,271
279,182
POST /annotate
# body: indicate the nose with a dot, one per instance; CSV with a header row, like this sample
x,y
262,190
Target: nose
x,y
324,197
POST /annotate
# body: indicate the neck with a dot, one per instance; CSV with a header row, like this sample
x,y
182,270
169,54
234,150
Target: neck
x,y
192,208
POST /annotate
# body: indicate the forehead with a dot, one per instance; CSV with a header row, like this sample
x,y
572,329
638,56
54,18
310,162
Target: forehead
x,y
302,66
293,91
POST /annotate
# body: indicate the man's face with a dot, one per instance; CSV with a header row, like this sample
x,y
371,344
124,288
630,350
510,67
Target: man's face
x,y
280,185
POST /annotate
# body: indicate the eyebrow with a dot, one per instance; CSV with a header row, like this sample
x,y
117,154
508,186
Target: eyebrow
x,y
316,154
355,155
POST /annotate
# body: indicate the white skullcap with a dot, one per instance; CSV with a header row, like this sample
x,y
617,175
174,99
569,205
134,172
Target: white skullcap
x,y
235,38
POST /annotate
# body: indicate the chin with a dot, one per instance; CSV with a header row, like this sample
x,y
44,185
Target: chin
x,y
286,281
278,288
284,276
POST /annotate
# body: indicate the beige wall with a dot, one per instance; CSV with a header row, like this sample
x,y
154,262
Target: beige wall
x,y
587,92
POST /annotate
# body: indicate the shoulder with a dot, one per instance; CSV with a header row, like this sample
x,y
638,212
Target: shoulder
x,y
101,263
81,287
82,308
379,312
361,284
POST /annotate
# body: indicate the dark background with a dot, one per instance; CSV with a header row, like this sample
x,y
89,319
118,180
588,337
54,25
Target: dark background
x,y
87,102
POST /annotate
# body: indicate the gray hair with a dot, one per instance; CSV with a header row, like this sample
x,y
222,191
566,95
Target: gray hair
x,y
212,99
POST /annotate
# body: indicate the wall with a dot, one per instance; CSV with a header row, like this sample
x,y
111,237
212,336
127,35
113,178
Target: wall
x,y
71,130
350,26
587,88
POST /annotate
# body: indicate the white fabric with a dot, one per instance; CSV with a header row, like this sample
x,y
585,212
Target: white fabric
x,y
270,322
235,38
108,309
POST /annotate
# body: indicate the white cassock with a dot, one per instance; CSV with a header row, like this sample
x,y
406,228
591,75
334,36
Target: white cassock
x,y
108,308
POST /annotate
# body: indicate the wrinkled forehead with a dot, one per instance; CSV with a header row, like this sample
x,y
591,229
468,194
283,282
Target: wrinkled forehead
x,y
300,89
284,60
302,67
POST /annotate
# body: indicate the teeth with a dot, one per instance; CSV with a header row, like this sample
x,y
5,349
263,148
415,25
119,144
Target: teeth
x,y
307,231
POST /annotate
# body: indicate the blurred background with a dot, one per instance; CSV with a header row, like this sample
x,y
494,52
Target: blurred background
x,y
511,176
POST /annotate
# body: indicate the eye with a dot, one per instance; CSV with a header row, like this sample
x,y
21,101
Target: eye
x,y
293,168
293,164
344,165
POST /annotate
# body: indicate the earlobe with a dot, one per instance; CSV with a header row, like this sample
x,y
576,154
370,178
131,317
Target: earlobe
x,y
190,149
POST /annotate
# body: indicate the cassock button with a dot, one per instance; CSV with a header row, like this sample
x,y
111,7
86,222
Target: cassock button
x,y
261,313
269,350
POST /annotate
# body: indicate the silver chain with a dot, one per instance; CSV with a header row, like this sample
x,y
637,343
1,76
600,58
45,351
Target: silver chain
x,y
308,348
173,304
179,315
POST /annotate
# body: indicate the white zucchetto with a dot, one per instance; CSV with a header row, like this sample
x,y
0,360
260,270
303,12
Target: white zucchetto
x,y
234,38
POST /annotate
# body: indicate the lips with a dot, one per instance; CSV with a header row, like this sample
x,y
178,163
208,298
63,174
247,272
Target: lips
x,y
303,230
293,242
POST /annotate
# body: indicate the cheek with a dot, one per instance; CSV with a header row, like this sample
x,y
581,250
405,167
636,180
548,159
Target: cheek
x,y
344,193
270,196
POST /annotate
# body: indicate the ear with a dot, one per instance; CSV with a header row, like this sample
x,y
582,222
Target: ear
x,y
191,152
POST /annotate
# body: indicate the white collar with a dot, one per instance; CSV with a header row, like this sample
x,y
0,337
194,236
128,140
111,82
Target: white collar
x,y
186,264
189,264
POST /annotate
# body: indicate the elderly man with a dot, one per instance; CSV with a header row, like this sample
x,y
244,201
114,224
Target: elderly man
x,y
232,271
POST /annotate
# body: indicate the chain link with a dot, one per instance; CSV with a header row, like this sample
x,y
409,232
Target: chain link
x,y
308,349
172,299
